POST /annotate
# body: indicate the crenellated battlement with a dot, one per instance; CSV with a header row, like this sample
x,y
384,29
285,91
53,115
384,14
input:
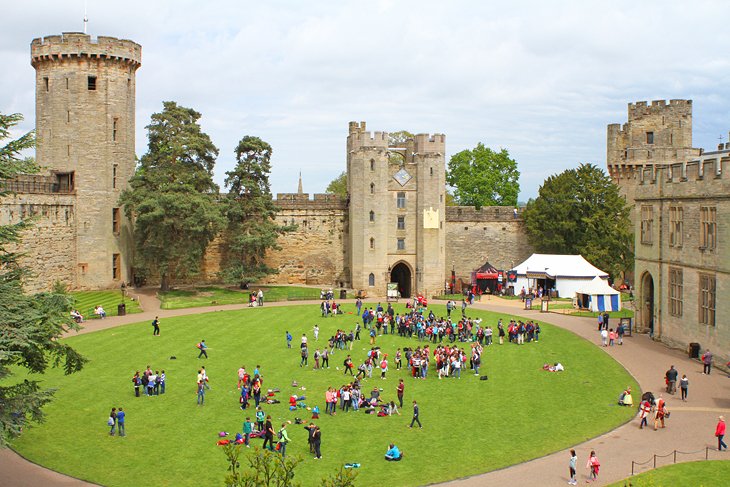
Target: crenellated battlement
x,y
641,109
293,201
484,214
426,143
70,45
360,137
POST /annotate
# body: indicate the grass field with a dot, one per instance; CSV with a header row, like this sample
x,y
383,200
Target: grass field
x,y
212,295
691,474
470,426
85,301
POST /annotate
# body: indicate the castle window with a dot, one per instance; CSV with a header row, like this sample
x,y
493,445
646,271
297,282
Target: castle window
x,y
68,116
371,280
647,222
372,216
91,83
67,83
372,164
401,223
401,244
46,84
372,188
650,137
675,291
707,300
114,176
676,225
372,243
708,227
116,266
115,122
400,201
431,171
116,220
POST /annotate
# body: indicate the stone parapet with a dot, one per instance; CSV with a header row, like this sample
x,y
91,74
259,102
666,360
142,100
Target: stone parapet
x,y
484,214
301,201
78,45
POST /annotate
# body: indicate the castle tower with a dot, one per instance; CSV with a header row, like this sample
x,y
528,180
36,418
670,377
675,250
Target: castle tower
x,y
396,212
85,113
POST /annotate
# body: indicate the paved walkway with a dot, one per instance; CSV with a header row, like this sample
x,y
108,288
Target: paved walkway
x,y
690,427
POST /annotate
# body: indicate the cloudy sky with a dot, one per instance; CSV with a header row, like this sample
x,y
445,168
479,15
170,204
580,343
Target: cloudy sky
x,y
542,79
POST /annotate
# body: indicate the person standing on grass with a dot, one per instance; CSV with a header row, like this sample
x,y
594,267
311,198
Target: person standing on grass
x,y
572,466
683,385
415,416
269,433
593,466
305,355
137,381
289,338
112,421
260,416
201,393
325,358
283,440
156,326
720,433
317,442
121,416
203,349
316,332
247,430
400,390
348,366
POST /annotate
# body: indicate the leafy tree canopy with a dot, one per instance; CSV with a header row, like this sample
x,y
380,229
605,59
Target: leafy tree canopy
x,y
483,177
250,212
338,185
30,326
580,211
172,196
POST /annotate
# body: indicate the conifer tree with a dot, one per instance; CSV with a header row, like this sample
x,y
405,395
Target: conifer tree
x,y
30,325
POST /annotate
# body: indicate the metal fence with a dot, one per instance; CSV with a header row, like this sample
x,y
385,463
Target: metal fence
x,y
33,187
673,454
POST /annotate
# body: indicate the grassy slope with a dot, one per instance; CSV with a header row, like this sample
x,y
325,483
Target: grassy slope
x,y
692,474
207,296
484,424
87,300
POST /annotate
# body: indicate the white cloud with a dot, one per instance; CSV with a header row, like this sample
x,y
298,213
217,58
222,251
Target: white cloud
x,y
542,79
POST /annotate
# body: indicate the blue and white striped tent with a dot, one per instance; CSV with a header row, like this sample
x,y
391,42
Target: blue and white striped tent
x,y
599,296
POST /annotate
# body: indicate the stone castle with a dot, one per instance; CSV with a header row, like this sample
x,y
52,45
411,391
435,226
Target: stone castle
x,y
393,227
682,242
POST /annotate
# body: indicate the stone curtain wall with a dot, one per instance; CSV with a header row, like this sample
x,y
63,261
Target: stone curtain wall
x,y
490,234
48,246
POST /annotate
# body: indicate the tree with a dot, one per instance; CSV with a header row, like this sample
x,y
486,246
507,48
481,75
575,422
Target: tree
x,y
580,211
172,196
338,185
483,177
30,326
399,137
250,212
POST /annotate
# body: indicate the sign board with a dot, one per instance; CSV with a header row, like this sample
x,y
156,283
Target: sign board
x,y
393,291
430,218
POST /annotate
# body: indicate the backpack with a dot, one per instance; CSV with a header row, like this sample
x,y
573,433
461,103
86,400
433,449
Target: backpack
x,y
383,364
199,345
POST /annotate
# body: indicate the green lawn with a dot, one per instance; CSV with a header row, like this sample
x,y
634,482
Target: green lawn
x,y
171,441
691,474
85,301
213,295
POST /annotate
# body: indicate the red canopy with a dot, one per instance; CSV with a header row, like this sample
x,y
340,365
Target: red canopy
x,y
487,271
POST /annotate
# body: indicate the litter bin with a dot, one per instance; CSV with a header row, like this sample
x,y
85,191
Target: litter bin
x,y
694,350
121,309
343,294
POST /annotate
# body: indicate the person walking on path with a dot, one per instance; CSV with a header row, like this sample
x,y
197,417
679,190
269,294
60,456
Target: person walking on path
x,y
415,416
571,467
644,411
121,416
671,377
593,466
706,362
260,298
203,349
660,413
683,385
156,326
720,433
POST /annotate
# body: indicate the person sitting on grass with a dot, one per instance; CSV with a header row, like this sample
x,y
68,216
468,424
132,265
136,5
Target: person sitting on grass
x,y
393,454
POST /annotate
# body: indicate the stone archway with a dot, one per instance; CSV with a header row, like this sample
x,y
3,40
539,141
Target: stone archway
x,y
647,304
401,274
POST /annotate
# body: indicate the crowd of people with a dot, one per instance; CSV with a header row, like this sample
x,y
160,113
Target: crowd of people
x,y
151,383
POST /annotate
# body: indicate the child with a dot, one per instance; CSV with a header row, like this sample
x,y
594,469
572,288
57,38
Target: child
x,y
260,416
571,467
247,430
593,465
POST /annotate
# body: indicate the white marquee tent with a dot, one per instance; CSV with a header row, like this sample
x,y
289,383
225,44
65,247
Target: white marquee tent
x,y
564,273
597,295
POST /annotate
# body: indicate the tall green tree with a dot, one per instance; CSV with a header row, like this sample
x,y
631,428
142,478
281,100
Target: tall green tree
x,y
172,196
250,213
338,185
30,325
580,211
483,177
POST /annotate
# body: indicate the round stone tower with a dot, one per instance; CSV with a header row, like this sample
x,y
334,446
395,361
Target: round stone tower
x,y
85,111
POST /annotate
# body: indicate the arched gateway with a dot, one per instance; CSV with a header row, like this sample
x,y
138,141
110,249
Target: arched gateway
x,y
401,274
